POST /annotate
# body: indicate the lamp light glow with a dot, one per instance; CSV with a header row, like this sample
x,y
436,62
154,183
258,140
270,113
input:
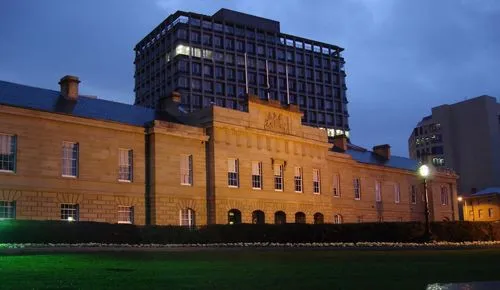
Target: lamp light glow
x,y
460,198
424,171
70,219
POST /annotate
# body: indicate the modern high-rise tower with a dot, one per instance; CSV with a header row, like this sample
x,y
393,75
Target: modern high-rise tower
x,y
219,59
465,137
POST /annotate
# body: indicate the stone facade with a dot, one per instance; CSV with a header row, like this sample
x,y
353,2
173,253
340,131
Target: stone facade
x,y
37,184
268,133
482,208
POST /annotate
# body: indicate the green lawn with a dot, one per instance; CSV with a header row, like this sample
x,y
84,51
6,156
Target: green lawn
x,y
249,269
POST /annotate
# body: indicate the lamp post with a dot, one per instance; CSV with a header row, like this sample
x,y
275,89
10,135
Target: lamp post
x,y
461,208
424,172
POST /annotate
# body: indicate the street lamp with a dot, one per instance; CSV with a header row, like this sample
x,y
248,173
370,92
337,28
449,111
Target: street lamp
x,y
424,172
461,208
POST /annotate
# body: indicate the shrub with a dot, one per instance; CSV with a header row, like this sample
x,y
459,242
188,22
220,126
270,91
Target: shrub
x,y
24,231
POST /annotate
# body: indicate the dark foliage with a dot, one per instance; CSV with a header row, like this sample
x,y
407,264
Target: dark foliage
x,y
19,231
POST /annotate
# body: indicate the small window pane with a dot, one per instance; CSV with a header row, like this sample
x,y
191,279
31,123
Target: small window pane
x,y
186,169
125,214
8,152
69,212
70,159
7,210
125,164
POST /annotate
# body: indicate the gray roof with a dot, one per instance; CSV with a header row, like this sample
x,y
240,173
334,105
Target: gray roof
x,y
22,96
486,191
368,157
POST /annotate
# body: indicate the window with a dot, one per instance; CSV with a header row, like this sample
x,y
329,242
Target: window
x,y
256,175
186,169
187,217
318,218
125,214
234,217
490,212
195,36
69,159
397,193
337,219
357,189
300,218
316,181
413,194
378,191
471,212
232,172
219,72
279,218
479,213
444,195
218,41
7,210
278,177
69,212
219,88
298,179
258,217
125,157
207,70
336,185
8,152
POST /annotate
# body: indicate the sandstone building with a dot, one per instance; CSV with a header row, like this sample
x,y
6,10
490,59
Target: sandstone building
x,y
64,156
482,206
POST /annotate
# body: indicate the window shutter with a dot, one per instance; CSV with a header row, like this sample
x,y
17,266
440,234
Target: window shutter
x,y
190,161
130,163
75,156
14,151
184,167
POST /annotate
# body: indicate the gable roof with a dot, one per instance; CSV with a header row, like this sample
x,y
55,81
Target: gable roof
x,y
16,95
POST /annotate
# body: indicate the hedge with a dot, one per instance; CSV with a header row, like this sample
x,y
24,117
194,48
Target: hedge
x,y
19,231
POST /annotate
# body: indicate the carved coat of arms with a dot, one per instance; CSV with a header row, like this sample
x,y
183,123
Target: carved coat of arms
x,y
277,122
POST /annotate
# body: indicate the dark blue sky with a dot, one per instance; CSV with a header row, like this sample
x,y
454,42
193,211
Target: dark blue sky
x,y
402,57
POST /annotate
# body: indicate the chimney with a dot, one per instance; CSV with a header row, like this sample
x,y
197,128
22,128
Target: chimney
x,y
383,151
69,87
340,141
176,97
173,100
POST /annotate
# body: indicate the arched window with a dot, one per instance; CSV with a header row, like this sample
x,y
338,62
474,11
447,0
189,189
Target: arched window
x,y
258,217
234,217
338,219
300,218
187,217
279,218
318,218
